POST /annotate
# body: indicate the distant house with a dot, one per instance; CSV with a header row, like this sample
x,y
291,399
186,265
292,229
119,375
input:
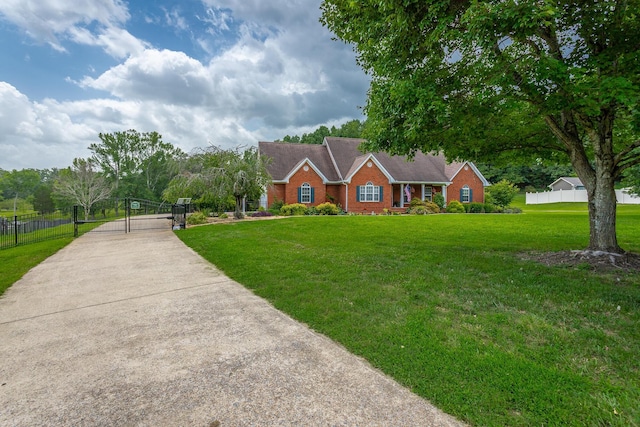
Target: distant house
x,y
338,172
566,183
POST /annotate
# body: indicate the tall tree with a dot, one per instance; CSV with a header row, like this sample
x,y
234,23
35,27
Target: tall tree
x,y
83,185
157,162
114,155
478,78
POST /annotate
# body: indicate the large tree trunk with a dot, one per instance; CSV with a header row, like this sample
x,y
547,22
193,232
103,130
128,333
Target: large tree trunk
x,y
597,174
602,217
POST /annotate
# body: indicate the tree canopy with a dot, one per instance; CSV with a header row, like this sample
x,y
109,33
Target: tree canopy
x,y
478,79
212,176
350,129
139,164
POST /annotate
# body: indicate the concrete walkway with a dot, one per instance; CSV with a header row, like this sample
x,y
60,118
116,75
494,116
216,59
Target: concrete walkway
x,y
138,330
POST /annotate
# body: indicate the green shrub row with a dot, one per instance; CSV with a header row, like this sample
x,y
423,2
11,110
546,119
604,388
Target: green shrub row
x,y
420,207
293,209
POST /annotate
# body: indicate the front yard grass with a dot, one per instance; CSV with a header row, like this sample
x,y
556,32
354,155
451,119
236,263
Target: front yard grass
x,y
446,306
15,262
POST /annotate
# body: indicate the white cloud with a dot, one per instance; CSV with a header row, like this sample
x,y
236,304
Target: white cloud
x,y
280,74
53,22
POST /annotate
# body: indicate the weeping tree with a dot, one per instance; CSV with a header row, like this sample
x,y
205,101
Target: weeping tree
x,y
482,79
214,174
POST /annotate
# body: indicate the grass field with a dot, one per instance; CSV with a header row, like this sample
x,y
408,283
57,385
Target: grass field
x,y
15,262
446,305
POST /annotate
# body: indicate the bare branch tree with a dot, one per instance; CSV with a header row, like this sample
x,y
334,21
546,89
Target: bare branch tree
x,y
83,185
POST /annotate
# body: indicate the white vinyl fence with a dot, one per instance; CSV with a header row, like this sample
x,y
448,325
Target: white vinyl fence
x,y
623,197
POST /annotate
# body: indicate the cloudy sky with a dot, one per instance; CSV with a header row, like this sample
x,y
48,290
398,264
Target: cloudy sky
x,y
200,72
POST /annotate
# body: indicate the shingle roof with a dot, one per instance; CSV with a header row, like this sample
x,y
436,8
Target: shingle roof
x,y
287,156
423,167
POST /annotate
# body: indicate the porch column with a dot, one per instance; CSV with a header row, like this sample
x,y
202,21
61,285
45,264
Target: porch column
x,y
402,195
423,192
444,194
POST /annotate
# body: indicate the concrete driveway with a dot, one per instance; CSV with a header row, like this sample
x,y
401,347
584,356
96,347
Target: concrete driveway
x,y
138,330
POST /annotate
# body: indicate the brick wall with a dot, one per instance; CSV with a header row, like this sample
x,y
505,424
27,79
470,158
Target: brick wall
x,y
300,177
364,175
466,177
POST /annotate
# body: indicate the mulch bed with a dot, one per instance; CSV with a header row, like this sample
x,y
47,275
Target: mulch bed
x,y
596,261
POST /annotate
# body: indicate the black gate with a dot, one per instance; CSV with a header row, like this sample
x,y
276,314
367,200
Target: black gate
x,y
128,215
148,215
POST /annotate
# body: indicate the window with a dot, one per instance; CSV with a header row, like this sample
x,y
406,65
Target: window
x,y
428,193
305,193
369,193
465,194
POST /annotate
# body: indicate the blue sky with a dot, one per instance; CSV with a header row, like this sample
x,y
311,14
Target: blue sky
x,y
200,72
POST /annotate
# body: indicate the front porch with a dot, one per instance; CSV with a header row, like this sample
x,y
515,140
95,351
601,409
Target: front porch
x,y
403,193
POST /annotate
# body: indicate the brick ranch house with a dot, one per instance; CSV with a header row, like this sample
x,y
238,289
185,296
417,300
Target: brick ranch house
x,y
338,172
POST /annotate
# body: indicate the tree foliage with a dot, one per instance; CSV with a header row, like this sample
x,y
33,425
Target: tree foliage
x,y
137,164
83,185
476,79
350,129
213,176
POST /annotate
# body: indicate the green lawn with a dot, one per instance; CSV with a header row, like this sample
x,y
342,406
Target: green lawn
x,y
15,262
444,304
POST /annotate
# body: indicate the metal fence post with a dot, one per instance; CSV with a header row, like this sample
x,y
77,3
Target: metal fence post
x,y
15,227
75,220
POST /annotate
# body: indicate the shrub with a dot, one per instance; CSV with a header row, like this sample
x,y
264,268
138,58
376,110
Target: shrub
x,y
530,189
327,209
432,207
261,214
223,216
415,202
455,206
293,209
438,199
488,207
417,210
197,218
276,206
476,207
502,193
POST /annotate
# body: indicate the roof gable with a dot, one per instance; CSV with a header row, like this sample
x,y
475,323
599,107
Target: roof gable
x,y
571,180
286,157
423,168
360,161
303,162
452,169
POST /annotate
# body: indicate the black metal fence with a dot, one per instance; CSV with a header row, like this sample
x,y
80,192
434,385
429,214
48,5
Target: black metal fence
x,y
116,215
31,228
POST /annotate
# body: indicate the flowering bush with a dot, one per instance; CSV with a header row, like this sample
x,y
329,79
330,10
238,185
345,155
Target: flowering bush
x,y
327,209
293,209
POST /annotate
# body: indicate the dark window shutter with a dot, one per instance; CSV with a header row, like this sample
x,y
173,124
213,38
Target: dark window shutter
x,y
470,195
358,193
299,194
313,191
461,192
381,192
